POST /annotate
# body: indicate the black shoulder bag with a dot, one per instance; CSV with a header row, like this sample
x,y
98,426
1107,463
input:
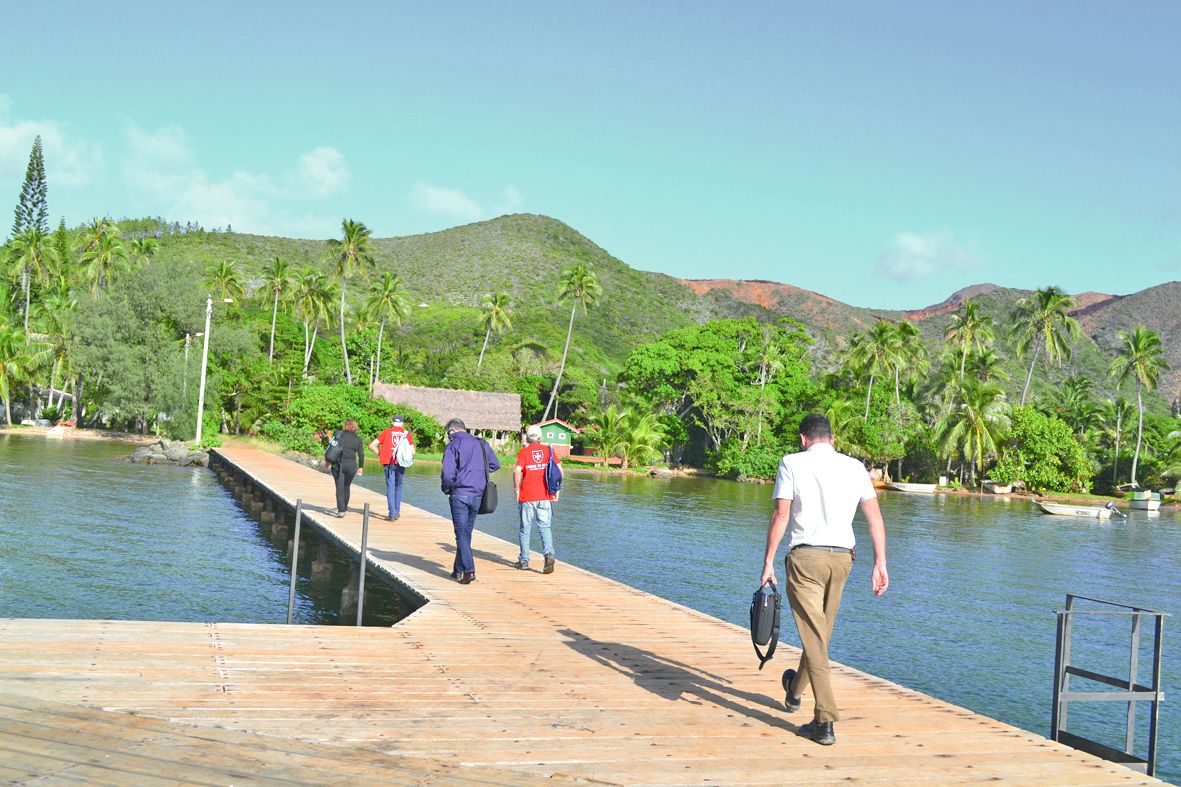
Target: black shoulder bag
x,y
764,621
488,499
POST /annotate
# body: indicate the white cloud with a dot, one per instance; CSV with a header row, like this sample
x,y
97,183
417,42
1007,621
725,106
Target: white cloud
x,y
322,171
456,205
162,167
452,203
913,256
69,161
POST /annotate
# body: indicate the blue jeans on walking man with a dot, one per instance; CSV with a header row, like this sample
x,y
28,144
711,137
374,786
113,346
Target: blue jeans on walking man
x,y
463,518
393,488
539,513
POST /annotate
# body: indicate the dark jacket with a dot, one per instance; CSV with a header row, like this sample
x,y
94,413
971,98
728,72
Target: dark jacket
x,y
354,451
463,465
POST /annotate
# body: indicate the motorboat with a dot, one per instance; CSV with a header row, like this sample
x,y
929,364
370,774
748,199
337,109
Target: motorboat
x,y
900,486
1146,501
1070,509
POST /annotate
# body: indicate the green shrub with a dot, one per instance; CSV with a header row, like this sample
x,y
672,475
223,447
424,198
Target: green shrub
x,y
318,408
754,461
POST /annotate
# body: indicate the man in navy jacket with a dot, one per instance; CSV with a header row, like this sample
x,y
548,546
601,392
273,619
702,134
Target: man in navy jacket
x,y
466,462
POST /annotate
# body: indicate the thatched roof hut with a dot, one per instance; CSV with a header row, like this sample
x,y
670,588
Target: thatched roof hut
x,y
498,413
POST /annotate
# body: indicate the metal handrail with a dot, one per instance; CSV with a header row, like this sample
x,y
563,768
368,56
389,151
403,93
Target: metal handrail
x,y
294,560
1131,691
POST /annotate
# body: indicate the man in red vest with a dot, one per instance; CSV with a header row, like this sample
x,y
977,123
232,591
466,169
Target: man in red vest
x,y
385,445
534,500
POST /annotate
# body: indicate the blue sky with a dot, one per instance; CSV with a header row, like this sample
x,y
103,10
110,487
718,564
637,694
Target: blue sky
x,y
882,153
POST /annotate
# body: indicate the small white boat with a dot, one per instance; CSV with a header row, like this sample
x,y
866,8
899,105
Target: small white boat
x,y
1146,501
1069,509
899,486
997,489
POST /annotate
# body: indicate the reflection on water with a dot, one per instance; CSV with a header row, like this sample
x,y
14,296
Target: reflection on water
x,y
86,535
975,582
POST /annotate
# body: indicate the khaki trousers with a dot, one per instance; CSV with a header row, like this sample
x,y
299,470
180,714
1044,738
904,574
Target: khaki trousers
x,y
815,581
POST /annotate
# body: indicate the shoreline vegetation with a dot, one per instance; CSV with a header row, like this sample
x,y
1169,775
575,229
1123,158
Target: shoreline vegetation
x,y
270,446
99,326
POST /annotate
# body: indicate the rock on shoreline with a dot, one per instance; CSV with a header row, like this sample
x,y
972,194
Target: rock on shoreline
x,y
169,452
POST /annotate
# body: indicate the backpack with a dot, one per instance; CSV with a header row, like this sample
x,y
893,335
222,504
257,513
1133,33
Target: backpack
x,y
553,474
334,451
404,455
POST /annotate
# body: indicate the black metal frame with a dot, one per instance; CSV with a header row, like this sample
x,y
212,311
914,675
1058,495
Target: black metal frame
x,y
1130,692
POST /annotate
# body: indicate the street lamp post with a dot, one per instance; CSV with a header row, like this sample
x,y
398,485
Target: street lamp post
x,y
204,363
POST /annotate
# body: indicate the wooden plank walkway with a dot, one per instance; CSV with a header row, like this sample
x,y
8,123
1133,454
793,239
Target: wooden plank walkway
x,y
516,677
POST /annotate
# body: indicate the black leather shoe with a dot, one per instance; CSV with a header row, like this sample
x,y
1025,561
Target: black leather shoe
x,y
791,703
818,731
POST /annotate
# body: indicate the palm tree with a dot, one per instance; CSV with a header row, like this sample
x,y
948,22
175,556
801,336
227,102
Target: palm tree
x,y
771,360
606,430
312,296
58,315
142,249
349,254
495,318
641,436
974,426
968,331
1115,412
1046,324
15,365
872,353
278,279
581,286
842,416
224,279
1141,357
32,258
909,353
1173,468
103,256
386,303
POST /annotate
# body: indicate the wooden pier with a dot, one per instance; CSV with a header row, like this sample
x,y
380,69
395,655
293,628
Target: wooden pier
x,y
517,678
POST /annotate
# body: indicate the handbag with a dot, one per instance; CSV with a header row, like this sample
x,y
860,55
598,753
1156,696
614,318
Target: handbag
x,y
764,621
334,451
553,474
488,499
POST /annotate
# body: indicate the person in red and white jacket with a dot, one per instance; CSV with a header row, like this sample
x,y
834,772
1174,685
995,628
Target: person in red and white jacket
x,y
385,445
534,500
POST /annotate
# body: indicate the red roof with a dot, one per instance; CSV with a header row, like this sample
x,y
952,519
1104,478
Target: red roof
x,y
558,421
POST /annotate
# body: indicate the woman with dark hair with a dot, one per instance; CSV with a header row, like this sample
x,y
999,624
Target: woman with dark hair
x,y
346,457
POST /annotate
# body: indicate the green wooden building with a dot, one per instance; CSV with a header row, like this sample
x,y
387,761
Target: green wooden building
x,y
558,434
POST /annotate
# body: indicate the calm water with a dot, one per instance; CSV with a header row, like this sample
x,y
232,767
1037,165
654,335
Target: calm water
x,y
968,618
86,535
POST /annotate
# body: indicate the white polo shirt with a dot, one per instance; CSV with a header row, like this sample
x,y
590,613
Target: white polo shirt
x,y
825,489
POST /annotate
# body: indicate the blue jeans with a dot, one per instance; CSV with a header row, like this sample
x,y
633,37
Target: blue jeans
x,y
463,517
393,487
538,513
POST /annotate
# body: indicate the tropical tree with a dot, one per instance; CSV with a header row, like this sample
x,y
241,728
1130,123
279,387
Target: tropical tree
x,y
349,254
15,365
32,207
225,280
313,303
641,438
1142,357
872,353
278,279
31,257
770,360
975,425
141,250
1115,413
581,286
57,317
386,303
103,253
495,318
969,330
1046,324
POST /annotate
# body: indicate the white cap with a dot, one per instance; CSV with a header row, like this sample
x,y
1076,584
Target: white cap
x,y
533,432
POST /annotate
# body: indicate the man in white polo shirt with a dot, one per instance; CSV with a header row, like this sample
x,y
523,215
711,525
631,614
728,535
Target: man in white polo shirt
x,y
817,492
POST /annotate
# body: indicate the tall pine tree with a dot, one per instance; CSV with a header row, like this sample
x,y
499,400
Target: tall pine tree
x,y
32,211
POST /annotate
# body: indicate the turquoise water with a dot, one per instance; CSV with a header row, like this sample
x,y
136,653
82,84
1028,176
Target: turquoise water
x,y
975,583
84,534
969,616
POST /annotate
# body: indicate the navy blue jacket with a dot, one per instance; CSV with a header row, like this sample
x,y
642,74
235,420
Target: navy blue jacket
x,y
463,466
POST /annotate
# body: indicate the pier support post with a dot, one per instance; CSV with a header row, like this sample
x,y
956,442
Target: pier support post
x,y
321,566
348,596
